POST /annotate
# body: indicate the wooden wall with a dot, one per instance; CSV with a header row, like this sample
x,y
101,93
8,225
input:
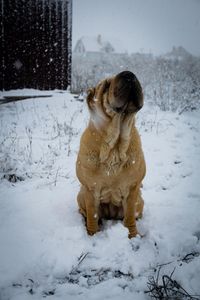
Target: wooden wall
x,y
35,41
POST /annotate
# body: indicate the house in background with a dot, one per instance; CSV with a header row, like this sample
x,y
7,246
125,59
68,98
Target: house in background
x,y
94,46
178,53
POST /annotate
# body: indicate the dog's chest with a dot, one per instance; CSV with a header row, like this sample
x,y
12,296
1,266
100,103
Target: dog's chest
x,y
113,178
113,165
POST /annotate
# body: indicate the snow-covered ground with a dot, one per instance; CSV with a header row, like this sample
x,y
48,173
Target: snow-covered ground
x,y
44,248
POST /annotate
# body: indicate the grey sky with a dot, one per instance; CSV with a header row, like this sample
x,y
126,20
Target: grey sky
x,y
142,25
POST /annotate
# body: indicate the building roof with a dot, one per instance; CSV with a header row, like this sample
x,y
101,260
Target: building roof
x,y
98,44
178,53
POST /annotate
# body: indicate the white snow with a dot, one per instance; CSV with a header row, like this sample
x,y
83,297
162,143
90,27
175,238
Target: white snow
x,y
44,247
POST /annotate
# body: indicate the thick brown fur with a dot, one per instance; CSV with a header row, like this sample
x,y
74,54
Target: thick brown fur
x,y
110,163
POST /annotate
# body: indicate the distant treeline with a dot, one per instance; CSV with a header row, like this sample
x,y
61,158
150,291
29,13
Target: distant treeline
x,y
170,82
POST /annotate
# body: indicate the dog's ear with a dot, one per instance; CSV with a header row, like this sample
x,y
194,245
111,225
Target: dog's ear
x,y
90,97
105,85
99,91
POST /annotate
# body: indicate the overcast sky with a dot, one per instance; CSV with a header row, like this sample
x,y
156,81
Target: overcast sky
x,y
142,25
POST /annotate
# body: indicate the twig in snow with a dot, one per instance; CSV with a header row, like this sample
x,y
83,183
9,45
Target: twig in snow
x,y
80,260
55,182
30,138
165,288
70,133
190,256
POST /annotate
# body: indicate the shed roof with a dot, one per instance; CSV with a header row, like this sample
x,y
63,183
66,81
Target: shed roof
x,y
99,44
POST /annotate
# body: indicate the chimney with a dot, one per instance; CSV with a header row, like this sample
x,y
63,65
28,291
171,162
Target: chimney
x,y
99,40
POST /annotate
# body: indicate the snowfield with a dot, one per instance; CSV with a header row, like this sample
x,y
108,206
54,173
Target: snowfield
x,y
44,248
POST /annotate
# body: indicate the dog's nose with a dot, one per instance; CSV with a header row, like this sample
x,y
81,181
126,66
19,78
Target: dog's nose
x,y
127,76
127,92
123,84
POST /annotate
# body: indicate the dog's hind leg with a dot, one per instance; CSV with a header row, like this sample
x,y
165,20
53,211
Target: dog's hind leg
x,y
89,209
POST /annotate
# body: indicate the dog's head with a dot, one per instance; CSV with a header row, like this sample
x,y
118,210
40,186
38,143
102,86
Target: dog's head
x,y
121,94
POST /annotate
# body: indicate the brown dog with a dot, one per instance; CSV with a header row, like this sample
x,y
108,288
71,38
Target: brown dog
x,y
110,163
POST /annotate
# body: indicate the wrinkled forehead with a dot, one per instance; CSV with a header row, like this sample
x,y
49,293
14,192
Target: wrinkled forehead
x,y
102,87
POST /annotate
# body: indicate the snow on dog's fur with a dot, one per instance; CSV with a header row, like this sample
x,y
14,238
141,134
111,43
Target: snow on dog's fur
x,y
110,163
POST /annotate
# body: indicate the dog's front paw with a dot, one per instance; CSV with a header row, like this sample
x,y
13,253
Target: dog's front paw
x,y
132,233
92,228
131,228
91,232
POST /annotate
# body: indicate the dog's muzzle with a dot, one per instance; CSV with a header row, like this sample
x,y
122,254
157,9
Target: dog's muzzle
x,y
126,93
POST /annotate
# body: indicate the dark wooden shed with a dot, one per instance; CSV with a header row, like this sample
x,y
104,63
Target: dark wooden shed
x,y
35,41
